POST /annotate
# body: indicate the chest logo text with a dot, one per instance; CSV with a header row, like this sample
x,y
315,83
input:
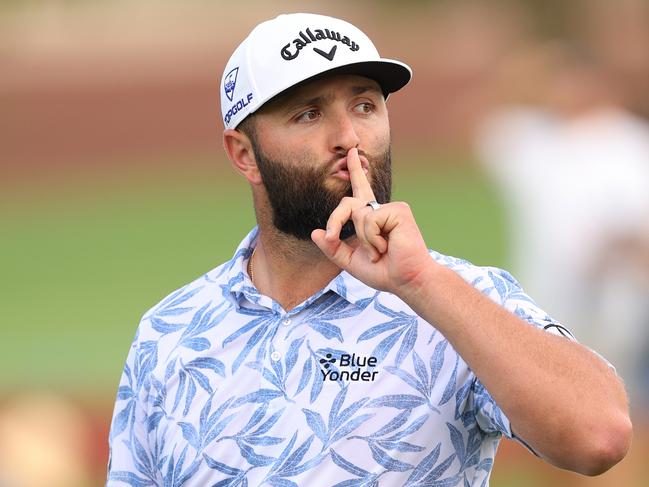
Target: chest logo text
x,y
360,368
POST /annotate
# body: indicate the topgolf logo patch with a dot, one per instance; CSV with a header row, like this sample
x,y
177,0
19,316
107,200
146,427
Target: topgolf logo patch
x,y
230,82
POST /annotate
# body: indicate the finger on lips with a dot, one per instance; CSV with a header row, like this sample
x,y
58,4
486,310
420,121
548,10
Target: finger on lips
x,y
361,187
356,209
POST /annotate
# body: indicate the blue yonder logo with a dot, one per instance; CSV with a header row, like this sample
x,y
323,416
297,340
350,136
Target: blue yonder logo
x,y
230,82
349,367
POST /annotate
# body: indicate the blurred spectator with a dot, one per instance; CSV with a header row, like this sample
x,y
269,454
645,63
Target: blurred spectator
x,y
44,441
619,31
573,169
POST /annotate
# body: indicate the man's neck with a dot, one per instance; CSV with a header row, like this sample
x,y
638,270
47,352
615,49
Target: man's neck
x,y
287,269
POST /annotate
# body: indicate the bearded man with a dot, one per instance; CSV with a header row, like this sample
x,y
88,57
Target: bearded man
x,y
335,348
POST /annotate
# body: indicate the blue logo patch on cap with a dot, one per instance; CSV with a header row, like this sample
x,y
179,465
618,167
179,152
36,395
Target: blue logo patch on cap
x,y
230,82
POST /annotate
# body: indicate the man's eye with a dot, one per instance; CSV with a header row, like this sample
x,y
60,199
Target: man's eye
x,y
308,116
364,108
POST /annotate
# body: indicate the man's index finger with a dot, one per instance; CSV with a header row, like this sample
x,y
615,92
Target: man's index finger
x,y
361,187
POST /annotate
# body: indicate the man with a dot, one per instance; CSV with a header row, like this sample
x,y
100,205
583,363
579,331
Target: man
x,y
335,348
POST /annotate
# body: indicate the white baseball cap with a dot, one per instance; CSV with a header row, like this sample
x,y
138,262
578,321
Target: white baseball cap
x,y
292,48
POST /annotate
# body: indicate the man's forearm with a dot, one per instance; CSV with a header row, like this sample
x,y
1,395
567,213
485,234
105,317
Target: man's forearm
x,y
560,397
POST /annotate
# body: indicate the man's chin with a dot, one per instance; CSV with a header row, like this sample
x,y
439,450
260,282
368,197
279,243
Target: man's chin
x,y
347,231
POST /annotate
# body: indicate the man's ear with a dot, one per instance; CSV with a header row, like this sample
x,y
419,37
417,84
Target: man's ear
x,y
238,147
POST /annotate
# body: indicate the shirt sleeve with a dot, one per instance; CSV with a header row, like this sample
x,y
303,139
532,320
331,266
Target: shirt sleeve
x,y
130,460
504,289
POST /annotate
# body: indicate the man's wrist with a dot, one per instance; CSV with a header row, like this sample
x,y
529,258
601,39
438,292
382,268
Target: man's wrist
x,y
421,287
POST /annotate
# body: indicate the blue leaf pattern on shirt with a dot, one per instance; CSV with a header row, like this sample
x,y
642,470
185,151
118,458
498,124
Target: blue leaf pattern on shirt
x,y
386,440
339,423
422,381
402,325
203,394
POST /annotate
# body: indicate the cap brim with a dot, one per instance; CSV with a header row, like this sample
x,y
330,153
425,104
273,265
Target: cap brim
x,y
391,76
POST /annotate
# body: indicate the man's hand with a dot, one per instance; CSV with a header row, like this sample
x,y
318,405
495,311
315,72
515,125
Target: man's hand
x,y
388,252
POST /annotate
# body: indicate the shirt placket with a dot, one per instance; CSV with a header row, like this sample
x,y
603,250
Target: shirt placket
x,y
277,351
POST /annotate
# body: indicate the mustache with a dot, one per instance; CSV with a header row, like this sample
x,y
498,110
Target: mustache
x,y
340,154
327,168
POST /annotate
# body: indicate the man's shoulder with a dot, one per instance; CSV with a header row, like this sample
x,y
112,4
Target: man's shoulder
x,y
489,280
203,295
178,307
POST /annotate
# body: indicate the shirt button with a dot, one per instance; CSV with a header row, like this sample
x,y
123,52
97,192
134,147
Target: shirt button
x,y
275,356
286,322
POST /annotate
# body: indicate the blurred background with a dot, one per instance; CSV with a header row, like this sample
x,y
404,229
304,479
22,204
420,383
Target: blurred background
x,y
521,142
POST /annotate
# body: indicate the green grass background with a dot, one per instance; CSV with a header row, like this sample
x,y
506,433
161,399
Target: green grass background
x,y
82,260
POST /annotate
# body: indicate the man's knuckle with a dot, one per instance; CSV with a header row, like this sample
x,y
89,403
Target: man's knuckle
x,y
402,205
357,218
360,212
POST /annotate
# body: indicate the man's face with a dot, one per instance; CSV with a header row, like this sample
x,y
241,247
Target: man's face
x,y
301,142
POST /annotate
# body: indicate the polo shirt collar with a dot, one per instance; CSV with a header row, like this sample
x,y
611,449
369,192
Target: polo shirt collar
x,y
237,284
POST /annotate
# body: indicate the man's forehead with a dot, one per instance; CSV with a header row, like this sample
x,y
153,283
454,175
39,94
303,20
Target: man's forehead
x,y
323,86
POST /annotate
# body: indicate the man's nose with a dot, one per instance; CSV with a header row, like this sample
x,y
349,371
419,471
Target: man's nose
x,y
344,135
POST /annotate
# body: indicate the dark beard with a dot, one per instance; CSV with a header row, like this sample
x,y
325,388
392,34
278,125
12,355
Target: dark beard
x,y
300,200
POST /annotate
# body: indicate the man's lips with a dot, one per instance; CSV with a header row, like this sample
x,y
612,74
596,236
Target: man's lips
x,y
340,170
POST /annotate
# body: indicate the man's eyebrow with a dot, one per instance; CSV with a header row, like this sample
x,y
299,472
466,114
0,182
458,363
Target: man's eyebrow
x,y
316,100
291,103
300,101
359,90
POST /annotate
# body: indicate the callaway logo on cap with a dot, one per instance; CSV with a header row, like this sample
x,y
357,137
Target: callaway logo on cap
x,y
289,49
